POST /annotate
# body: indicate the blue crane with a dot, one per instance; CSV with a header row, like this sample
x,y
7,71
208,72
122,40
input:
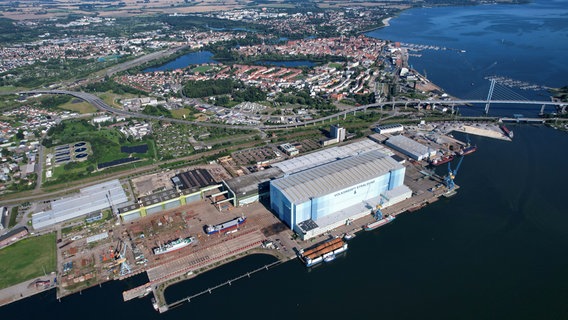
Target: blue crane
x,y
378,214
452,175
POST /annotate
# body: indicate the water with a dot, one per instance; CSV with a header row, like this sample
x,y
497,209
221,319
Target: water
x,y
193,58
521,42
494,251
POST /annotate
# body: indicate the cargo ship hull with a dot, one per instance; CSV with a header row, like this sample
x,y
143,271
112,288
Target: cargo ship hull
x,y
468,150
507,132
173,245
442,160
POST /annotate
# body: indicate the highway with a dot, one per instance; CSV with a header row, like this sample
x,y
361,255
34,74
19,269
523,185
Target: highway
x,y
101,105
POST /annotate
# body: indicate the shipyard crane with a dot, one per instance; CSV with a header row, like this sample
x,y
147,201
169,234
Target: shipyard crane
x,y
378,215
124,267
452,174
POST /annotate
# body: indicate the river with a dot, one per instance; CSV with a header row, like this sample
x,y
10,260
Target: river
x,y
496,250
520,42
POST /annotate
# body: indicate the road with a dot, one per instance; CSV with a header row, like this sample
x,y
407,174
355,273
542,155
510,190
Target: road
x,y
101,105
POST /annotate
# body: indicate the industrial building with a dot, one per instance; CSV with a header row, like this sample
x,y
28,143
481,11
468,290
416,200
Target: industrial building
x,y
329,155
389,128
324,197
193,179
409,147
13,236
289,149
91,199
161,201
250,188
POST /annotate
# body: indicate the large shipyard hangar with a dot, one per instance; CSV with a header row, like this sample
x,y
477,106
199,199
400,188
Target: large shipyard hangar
x,y
322,198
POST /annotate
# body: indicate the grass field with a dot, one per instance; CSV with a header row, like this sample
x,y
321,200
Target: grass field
x,y
80,107
13,216
11,89
27,259
335,65
179,113
202,68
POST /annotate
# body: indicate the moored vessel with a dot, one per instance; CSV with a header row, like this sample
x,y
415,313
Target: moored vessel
x,y
467,150
442,160
322,252
378,223
506,131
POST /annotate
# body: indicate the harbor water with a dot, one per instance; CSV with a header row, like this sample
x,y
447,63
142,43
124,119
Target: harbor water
x,y
496,250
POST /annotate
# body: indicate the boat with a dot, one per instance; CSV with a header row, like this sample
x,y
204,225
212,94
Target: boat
x,y
442,160
378,223
328,257
155,304
225,226
417,207
322,252
348,236
506,131
174,245
467,150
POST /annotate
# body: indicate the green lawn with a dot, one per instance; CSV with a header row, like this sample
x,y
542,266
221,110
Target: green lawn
x,y
335,65
80,107
202,69
179,113
27,259
13,216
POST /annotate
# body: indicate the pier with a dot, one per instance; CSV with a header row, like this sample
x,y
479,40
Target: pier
x,y
177,303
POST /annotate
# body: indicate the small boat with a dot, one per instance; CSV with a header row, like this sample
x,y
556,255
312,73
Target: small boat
x,y
328,257
507,132
155,304
467,150
349,236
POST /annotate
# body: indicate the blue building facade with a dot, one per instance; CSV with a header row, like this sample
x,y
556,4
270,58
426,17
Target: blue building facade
x,y
319,192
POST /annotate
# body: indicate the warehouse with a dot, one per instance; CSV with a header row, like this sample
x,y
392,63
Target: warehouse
x,y
90,199
389,128
409,147
249,188
322,198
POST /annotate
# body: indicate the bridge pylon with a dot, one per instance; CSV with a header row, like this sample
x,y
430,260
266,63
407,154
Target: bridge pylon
x,y
489,95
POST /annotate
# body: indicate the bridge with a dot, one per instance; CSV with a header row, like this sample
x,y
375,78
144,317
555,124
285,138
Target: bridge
x,y
103,106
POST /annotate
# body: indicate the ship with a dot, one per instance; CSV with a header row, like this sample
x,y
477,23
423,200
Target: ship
x,y
467,150
442,160
322,252
174,245
506,131
225,226
378,223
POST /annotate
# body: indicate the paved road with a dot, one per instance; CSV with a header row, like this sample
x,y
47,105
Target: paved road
x,y
101,105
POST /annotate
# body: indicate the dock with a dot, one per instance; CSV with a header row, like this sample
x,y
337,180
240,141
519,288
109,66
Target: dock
x,y
177,303
486,131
